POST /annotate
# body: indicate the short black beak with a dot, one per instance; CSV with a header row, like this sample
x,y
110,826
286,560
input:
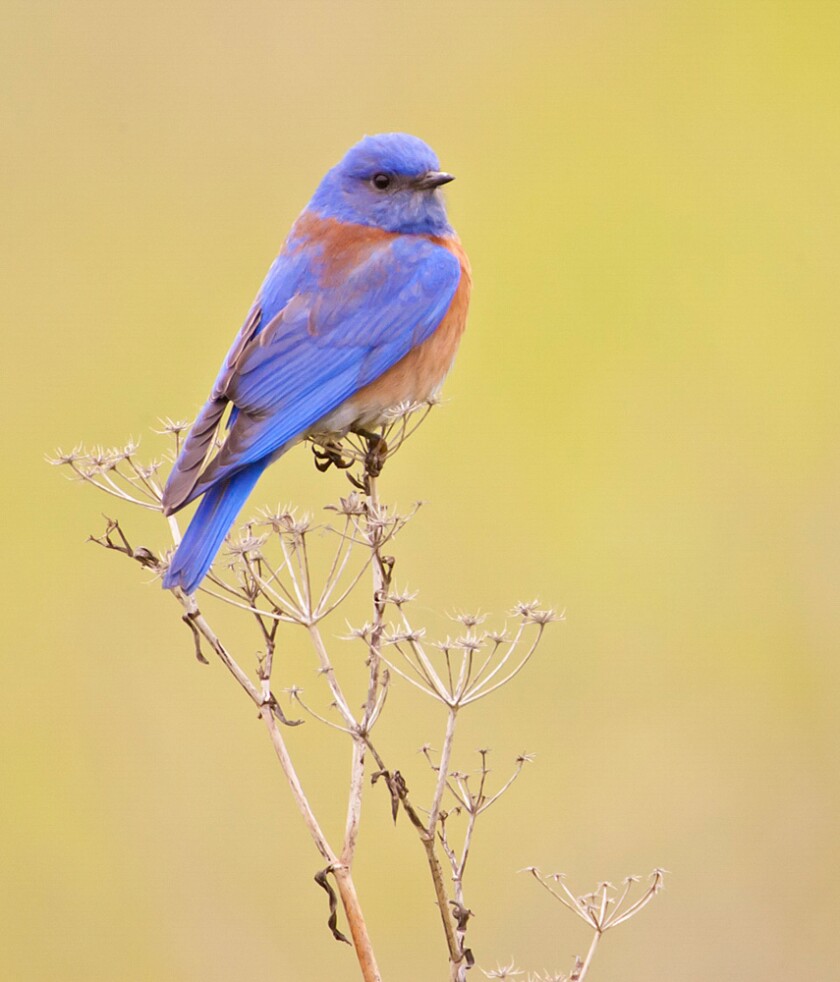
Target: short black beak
x,y
434,179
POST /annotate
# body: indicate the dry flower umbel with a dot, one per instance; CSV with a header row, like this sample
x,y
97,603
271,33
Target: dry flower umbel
x,y
283,571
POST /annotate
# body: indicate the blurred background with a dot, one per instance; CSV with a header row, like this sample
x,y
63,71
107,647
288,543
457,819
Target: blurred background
x,y
641,429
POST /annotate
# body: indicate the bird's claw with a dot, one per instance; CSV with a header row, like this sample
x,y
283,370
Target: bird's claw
x,y
330,455
377,453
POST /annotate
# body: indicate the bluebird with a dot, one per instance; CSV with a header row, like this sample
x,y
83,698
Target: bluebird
x,y
361,311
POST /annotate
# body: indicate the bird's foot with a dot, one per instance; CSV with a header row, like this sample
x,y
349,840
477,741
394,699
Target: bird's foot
x,y
331,455
377,452
374,460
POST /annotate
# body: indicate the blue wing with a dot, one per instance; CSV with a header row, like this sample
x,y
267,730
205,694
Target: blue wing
x,y
316,335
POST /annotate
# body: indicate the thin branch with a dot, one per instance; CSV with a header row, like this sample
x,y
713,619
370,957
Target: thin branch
x,y
443,770
329,672
581,974
341,872
354,802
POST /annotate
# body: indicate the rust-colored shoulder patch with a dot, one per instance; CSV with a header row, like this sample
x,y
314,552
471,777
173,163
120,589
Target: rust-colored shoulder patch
x,y
342,246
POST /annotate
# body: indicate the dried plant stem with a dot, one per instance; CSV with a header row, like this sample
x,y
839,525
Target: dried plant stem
x,y
197,622
300,798
339,867
381,582
427,831
356,922
596,937
329,673
455,941
380,586
283,590
354,802
443,769
435,868
456,958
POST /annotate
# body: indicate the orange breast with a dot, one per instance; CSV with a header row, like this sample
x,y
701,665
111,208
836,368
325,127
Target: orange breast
x,y
419,375
342,246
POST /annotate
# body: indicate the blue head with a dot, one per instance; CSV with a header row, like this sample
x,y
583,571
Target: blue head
x,y
389,181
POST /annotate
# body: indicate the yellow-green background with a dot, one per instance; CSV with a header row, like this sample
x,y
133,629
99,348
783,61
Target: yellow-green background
x,y
642,428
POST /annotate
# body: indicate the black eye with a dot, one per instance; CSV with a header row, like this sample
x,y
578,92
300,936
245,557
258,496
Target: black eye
x,y
381,181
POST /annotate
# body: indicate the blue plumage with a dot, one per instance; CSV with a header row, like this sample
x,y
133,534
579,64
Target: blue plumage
x,y
362,279
206,532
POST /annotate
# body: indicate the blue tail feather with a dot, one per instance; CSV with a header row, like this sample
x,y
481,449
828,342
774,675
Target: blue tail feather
x,y
206,532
